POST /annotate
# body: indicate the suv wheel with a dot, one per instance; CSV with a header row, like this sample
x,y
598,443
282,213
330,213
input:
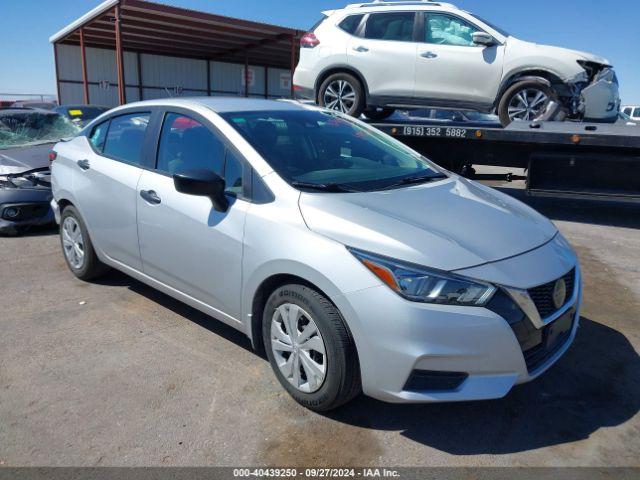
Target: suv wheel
x,y
342,92
526,100
310,348
77,247
379,113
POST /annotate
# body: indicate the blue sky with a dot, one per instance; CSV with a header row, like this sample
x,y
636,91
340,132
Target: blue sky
x,y
609,28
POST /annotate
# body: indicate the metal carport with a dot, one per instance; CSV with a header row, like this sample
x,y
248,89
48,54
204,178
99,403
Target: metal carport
x,y
127,50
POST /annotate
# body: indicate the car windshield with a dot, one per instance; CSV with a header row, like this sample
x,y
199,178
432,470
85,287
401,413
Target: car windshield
x,y
316,148
501,31
21,129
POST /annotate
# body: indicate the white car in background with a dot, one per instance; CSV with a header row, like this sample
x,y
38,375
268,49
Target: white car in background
x,y
374,57
632,111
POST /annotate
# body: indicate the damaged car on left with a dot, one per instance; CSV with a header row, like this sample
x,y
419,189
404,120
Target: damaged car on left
x,y
26,139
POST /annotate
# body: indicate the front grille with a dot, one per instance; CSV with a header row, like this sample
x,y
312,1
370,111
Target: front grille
x,y
542,296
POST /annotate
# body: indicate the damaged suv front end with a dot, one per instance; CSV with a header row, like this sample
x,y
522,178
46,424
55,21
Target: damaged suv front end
x,y
597,96
24,200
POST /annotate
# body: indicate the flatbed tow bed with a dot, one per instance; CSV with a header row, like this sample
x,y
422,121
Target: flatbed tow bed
x,y
561,158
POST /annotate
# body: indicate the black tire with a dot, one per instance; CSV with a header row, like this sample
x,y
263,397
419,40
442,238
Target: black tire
x,y
359,103
515,89
377,114
342,378
91,266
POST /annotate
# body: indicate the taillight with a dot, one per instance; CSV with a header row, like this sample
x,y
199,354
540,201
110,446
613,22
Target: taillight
x,y
309,40
52,156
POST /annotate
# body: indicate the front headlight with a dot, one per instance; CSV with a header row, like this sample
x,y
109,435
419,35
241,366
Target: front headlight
x,y
421,284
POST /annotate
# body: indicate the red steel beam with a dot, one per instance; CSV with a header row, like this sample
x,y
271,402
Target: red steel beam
x,y
55,60
122,97
293,61
83,56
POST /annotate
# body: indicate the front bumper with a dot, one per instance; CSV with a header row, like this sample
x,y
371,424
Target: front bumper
x,y
396,338
601,98
21,208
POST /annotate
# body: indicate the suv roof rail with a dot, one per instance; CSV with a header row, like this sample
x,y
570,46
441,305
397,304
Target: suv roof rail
x,y
394,3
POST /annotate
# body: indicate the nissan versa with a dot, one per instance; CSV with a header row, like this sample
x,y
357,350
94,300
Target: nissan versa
x,y
355,263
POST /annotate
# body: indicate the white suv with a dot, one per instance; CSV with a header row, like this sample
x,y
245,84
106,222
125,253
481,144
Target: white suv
x,y
373,57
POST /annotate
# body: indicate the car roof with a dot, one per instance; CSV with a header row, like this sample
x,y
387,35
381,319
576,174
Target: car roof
x,y
13,110
221,104
408,5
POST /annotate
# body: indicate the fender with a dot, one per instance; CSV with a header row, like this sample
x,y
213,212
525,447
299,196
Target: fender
x,y
514,77
341,67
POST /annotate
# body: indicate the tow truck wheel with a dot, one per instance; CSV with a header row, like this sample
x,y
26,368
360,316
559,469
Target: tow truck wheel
x,y
525,101
379,113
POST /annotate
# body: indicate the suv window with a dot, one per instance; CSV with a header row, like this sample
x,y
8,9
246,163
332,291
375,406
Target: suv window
x,y
628,111
449,30
636,114
350,24
99,135
390,26
186,144
126,136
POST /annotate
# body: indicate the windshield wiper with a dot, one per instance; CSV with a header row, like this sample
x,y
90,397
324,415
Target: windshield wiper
x,y
417,179
325,187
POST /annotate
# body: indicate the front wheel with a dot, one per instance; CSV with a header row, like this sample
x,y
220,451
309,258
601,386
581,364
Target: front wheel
x,y
525,101
310,348
342,92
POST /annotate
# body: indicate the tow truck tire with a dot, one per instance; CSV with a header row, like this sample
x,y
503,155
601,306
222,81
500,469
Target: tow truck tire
x,y
525,86
377,114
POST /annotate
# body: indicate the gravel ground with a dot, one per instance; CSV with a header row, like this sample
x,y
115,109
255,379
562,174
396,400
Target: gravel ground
x,y
115,373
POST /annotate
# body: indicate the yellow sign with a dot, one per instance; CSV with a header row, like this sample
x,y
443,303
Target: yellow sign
x,y
75,113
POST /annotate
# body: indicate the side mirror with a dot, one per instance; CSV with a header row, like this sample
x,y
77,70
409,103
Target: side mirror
x,y
203,183
483,38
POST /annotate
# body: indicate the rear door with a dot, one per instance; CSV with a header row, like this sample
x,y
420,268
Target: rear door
x,y
105,185
384,52
184,242
451,67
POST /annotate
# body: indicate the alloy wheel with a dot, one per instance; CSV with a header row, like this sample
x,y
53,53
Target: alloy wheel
x,y
340,95
73,242
298,348
528,104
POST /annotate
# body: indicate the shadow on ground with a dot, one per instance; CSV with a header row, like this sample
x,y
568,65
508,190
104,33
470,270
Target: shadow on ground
x,y
593,212
596,385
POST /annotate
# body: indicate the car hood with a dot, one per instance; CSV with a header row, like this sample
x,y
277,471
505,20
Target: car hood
x,y
448,225
22,159
560,52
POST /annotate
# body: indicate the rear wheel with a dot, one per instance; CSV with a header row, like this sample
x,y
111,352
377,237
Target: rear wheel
x,y
78,250
310,348
342,92
525,101
379,113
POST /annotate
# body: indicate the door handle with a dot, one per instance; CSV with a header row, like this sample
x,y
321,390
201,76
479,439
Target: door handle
x,y
84,164
429,55
150,196
361,49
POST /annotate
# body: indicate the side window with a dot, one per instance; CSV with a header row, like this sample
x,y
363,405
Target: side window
x,y
628,111
99,135
390,26
233,173
449,30
186,144
350,24
636,114
126,136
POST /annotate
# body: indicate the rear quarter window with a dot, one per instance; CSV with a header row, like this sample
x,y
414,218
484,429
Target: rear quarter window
x,y
351,23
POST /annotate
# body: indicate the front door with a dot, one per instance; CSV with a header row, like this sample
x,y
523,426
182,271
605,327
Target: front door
x,y
449,66
184,242
385,54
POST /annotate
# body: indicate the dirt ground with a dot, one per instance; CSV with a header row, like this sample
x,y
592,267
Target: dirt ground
x,y
115,373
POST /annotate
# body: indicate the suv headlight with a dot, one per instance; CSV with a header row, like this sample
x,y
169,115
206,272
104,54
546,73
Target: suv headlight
x,y
421,284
